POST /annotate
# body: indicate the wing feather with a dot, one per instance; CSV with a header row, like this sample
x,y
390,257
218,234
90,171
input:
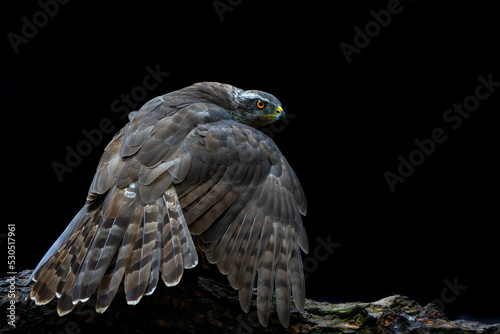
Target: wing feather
x,y
178,250
138,272
282,278
248,267
296,274
266,268
155,263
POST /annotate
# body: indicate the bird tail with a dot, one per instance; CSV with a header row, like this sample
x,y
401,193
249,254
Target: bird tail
x,y
115,240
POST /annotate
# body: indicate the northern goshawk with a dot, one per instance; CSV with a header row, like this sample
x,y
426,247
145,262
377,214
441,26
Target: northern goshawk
x,y
189,162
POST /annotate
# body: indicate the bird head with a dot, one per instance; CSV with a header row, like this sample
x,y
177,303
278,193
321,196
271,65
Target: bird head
x,y
256,108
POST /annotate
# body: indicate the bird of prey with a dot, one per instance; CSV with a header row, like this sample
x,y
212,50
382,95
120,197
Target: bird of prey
x,y
190,162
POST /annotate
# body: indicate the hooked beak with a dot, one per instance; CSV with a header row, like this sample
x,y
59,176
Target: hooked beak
x,y
278,113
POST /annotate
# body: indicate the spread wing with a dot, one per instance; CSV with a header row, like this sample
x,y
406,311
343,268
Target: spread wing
x,y
178,169
241,196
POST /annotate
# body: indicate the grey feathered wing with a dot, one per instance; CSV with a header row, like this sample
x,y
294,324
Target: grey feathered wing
x,y
247,206
179,169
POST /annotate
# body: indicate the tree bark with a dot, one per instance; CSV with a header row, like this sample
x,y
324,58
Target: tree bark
x,y
201,304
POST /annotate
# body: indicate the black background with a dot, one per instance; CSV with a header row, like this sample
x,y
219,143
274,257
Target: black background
x,y
347,125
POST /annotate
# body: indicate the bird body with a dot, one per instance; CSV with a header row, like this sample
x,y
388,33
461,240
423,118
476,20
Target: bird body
x,y
190,162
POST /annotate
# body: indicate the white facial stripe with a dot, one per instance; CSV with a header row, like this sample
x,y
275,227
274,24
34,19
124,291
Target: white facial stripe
x,y
252,95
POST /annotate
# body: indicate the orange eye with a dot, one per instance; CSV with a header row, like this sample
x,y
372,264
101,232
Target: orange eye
x,y
260,104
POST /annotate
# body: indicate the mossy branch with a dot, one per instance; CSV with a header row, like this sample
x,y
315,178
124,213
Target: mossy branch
x,y
200,304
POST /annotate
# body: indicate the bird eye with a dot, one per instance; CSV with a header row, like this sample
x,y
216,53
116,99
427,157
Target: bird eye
x,y
260,104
